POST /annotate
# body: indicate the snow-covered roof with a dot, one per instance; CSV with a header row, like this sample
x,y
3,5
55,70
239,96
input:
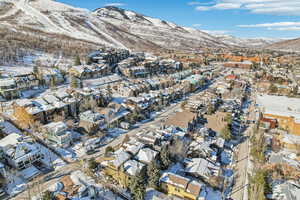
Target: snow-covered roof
x,y
146,155
7,82
202,167
291,139
133,148
56,127
90,116
280,105
16,148
30,172
175,180
133,167
9,128
286,191
11,139
120,157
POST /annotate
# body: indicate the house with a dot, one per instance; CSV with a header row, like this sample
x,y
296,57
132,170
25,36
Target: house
x,y
103,81
268,123
285,190
244,65
149,138
90,71
44,109
146,155
26,81
27,112
285,110
58,133
52,74
170,66
91,121
133,167
109,56
289,141
133,146
182,187
202,149
230,77
195,81
114,167
152,194
9,89
77,185
7,128
114,114
202,168
20,152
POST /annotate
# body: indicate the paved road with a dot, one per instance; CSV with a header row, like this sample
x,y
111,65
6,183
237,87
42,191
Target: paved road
x,y
240,189
241,170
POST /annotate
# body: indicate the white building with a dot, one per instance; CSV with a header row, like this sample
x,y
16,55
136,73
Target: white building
x,y
58,133
19,152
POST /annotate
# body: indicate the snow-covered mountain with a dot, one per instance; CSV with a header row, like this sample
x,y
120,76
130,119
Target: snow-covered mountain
x,y
109,26
160,32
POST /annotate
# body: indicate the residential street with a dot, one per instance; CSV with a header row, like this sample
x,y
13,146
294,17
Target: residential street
x,y
43,185
240,188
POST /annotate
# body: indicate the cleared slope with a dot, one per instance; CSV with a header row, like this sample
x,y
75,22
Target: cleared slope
x,y
53,17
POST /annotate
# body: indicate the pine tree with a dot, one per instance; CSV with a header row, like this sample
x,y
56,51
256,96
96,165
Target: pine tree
x,y
295,90
48,196
137,187
52,82
109,90
210,109
89,61
226,133
35,70
165,157
77,61
92,164
153,173
73,82
273,88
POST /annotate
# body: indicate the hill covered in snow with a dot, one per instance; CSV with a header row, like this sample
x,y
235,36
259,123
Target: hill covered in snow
x,y
50,21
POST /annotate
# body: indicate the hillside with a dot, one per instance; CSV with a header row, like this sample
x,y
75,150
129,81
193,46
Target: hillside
x,y
47,25
287,45
160,32
247,42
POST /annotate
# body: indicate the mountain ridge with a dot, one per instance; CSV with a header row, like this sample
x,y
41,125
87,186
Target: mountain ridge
x,y
292,45
108,26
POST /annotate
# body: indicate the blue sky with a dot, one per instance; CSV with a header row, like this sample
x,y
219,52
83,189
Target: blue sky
x,y
241,18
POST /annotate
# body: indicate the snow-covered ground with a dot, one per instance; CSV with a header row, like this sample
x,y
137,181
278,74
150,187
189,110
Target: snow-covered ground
x,y
213,194
15,184
50,158
17,180
116,132
9,128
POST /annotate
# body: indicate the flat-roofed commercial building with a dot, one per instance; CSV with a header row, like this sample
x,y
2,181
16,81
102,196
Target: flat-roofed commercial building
x,y
285,110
